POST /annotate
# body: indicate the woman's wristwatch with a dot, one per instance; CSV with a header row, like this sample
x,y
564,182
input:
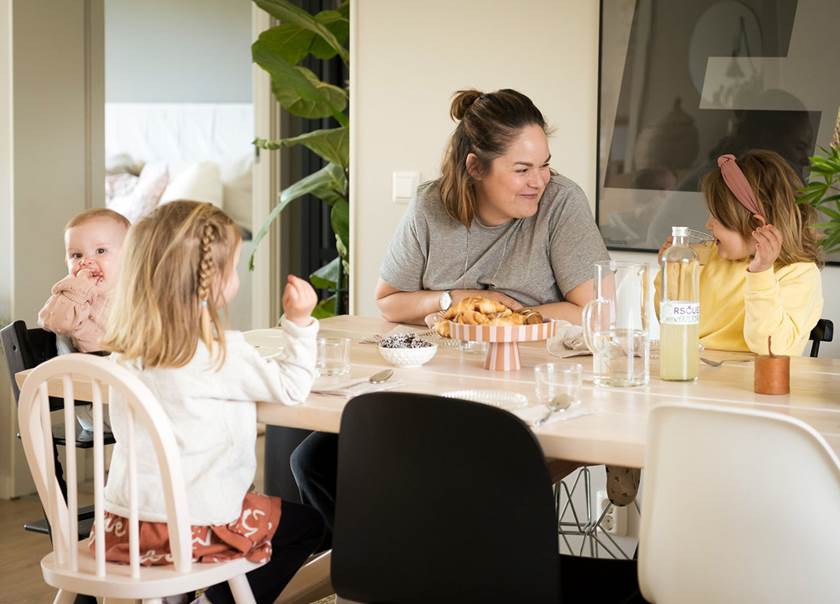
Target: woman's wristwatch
x,y
445,300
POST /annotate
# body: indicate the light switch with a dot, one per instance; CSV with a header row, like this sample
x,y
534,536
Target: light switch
x,y
404,188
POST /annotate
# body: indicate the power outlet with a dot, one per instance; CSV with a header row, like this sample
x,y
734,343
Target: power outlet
x,y
615,521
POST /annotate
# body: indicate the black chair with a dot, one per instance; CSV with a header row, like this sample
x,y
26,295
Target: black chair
x,y
25,349
823,332
416,522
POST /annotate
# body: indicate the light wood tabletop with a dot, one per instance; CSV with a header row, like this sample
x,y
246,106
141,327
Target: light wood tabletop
x,y
615,430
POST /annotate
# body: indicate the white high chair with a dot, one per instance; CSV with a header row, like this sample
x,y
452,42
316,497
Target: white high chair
x,y
740,506
71,568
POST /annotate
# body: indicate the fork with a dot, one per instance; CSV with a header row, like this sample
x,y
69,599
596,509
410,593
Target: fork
x,y
712,363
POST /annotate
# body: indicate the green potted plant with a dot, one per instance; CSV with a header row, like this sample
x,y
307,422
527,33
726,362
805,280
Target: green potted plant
x,y
823,192
279,50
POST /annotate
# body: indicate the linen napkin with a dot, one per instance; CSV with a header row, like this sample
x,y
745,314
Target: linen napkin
x,y
351,387
567,341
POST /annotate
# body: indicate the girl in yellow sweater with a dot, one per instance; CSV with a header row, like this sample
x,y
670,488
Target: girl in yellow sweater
x,y
764,279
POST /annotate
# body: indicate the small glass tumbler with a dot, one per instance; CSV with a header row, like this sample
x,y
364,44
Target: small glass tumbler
x,y
558,385
333,356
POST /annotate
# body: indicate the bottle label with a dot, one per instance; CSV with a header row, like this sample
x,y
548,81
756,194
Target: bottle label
x,y
679,313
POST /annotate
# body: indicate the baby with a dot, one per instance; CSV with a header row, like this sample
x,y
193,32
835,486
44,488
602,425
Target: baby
x,y
78,306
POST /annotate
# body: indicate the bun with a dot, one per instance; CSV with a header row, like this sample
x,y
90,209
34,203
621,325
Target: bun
x,y
462,101
484,311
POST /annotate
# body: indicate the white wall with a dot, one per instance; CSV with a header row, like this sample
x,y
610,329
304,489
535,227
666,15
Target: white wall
x,y
51,163
178,51
408,59
6,185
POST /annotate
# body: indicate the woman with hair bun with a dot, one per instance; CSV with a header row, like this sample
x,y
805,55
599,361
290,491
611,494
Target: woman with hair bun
x,y
499,223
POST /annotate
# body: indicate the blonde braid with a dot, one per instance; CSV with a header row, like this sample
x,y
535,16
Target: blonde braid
x,y
205,263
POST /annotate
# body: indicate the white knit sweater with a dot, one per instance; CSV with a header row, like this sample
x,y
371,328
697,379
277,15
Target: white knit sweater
x,y
214,417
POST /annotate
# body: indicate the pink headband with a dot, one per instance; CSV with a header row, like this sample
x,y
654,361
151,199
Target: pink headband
x,y
737,183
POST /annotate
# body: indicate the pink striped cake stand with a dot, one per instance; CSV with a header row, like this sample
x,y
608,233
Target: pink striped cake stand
x,y
504,341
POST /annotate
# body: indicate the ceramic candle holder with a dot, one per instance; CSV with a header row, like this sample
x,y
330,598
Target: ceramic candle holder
x,y
772,373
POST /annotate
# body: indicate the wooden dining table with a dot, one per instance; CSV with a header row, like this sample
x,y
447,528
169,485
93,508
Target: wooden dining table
x,y
613,429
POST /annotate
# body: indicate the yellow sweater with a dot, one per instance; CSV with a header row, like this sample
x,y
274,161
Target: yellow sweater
x,y
740,309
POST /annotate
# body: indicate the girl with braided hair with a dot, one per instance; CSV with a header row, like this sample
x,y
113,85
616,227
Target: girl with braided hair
x,y
178,274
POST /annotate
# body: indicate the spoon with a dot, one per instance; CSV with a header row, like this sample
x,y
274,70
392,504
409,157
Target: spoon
x,y
381,376
559,403
377,378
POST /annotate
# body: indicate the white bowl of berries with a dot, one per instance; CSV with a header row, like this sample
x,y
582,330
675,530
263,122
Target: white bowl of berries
x,y
406,350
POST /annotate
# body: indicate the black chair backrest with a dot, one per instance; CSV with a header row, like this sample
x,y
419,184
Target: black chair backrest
x,y
441,500
823,332
25,349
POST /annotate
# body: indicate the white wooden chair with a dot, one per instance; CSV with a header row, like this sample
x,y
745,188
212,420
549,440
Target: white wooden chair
x,y
740,506
71,568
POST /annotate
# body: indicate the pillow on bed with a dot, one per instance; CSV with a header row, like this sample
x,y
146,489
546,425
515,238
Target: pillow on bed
x,y
119,185
236,184
200,181
123,163
144,196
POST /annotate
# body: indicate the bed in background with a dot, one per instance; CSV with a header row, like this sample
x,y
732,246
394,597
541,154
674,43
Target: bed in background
x,y
160,152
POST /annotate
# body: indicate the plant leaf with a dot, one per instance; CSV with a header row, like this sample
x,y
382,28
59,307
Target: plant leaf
x,y
287,12
344,10
340,28
326,277
330,181
831,213
333,144
297,88
340,221
813,186
328,101
289,41
325,308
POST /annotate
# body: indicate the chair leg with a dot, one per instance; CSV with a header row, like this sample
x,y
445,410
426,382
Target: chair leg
x,y
241,590
64,597
580,525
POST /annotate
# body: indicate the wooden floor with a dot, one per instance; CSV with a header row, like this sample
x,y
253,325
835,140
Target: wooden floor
x,y
21,553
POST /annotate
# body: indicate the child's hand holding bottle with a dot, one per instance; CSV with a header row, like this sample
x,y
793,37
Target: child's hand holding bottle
x,y
768,246
299,299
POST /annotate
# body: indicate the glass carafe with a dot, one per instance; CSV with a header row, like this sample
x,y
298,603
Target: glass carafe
x,y
615,324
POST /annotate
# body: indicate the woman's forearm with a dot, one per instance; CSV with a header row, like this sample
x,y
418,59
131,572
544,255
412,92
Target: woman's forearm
x,y
409,307
567,311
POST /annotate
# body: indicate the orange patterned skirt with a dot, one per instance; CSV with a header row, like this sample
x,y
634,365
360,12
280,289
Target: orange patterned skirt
x,y
248,536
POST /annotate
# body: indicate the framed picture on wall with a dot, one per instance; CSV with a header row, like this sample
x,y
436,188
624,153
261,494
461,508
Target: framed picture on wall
x,y
684,81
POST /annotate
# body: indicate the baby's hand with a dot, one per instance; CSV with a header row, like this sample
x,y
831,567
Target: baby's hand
x,y
768,246
298,301
83,272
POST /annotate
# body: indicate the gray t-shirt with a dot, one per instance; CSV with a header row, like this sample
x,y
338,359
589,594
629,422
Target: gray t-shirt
x,y
533,260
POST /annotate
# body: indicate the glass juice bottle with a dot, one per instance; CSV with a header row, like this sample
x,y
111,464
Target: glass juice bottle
x,y
679,310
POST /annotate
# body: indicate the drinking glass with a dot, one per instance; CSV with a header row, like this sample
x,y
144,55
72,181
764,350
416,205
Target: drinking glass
x,y
333,356
468,347
702,243
558,385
